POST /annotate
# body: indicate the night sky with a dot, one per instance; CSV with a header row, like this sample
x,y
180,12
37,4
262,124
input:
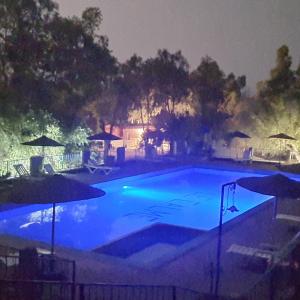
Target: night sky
x,y
241,35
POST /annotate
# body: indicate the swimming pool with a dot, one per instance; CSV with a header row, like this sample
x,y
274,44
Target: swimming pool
x,y
188,197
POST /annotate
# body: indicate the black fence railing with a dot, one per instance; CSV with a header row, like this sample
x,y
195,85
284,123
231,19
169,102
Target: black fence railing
x,y
36,290
54,268
41,267
9,266
61,162
134,292
50,290
281,280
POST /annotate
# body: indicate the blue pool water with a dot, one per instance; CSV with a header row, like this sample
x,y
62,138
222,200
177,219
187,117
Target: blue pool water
x,y
185,197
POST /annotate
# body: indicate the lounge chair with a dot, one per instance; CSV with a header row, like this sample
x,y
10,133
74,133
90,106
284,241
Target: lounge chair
x,y
286,217
92,167
292,221
49,169
250,251
254,259
21,170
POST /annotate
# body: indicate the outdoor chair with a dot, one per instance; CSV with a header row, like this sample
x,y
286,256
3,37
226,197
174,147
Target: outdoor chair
x,y
21,170
286,217
93,167
254,259
293,222
49,169
247,155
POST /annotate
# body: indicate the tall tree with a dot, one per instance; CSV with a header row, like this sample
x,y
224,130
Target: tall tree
x,y
80,63
121,94
50,62
23,44
132,72
281,76
165,80
207,84
232,94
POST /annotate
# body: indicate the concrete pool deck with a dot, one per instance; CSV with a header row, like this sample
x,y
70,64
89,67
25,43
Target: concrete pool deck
x,y
187,265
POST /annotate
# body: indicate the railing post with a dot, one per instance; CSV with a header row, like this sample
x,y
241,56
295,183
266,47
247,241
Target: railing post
x,y
272,286
81,292
73,271
173,292
73,279
219,238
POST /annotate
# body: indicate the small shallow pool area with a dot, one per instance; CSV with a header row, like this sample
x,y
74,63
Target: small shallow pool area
x,y
185,197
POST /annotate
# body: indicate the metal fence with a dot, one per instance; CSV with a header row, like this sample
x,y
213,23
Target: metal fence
x,y
7,166
130,153
49,290
44,267
59,162
259,154
65,161
55,268
36,290
134,292
9,266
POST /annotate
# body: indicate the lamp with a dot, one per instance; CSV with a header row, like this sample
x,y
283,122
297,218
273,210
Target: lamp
x,y
231,186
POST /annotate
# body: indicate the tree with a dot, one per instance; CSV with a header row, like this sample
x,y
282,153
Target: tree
x,y
132,72
182,129
91,20
50,62
294,91
121,94
23,44
81,64
207,84
275,109
232,94
281,77
165,80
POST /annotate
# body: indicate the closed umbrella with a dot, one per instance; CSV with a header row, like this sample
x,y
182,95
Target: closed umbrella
x,y
281,136
48,189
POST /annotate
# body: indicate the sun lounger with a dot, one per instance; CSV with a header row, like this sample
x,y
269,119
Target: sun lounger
x,y
250,251
49,169
21,170
253,259
286,217
292,222
104,169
